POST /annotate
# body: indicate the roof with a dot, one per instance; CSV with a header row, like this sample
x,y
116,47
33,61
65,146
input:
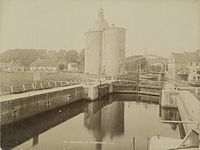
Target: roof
x,y
73,64
192,57
133,58
153,59
179,57
46,62
186,57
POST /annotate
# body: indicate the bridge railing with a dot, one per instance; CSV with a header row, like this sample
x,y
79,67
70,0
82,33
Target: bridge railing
x,y
152,83
41,85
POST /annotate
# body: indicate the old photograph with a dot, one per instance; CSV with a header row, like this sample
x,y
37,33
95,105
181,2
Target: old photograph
x,y
99,74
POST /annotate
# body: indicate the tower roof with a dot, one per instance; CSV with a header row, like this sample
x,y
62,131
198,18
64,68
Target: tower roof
x,y
101,23
101,13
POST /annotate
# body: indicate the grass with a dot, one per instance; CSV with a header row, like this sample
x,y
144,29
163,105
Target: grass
x,y
18,79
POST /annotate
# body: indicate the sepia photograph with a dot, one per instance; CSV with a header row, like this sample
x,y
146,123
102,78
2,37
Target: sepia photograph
x,y
99,74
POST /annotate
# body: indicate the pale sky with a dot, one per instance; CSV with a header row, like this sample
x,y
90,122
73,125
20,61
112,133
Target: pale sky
x,y
157,26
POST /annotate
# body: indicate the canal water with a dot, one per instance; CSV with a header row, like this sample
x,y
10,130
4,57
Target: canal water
x,y
107,124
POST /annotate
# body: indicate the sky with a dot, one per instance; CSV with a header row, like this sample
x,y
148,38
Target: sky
x,y
153,26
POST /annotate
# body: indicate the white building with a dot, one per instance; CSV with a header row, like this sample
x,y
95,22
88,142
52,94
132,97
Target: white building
x,y
105,47
72,67
46,65
184,66
193,60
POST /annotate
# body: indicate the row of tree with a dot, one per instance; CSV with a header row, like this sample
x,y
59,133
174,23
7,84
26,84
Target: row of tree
x,y
26,56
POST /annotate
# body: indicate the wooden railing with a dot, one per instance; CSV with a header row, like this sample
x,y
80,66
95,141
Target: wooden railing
x,y
41,85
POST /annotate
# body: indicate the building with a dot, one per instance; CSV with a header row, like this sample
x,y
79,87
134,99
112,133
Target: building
x,y
48,65
156,63
105,47
72,67
193,60
146,66
177,67
184,66
145,63
135,63
11,67
4,66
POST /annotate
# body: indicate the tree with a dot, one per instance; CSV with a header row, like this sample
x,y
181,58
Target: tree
x,y
61,67
24,56
72,56
82,60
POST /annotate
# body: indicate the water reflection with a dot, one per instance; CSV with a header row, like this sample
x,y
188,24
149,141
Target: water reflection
x,y
115,119
105,120
19,132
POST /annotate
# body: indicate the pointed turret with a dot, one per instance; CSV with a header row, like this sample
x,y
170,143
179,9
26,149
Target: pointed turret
x,y
101,24
101,13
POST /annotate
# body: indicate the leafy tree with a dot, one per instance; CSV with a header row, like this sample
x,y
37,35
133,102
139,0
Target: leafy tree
x,y
61,67
24,56
72,56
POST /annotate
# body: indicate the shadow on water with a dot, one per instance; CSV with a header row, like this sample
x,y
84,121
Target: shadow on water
x,y
21,131
105,118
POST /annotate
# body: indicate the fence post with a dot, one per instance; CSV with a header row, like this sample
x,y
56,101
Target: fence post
x,y
23,87
49,84
41,85
33,87
55,84
11,89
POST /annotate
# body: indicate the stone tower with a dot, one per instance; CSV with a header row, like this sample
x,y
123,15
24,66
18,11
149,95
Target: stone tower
x,y
105,47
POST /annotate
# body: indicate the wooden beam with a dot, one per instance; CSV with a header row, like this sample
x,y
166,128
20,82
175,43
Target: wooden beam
x,y
174,121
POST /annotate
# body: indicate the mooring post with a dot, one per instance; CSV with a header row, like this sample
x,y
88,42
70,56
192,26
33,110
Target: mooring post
x,y
196,90
133,143
35,140
148,140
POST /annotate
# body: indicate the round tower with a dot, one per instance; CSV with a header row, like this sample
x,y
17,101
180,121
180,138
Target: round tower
x,y
113,50
93,56
93,52
105,48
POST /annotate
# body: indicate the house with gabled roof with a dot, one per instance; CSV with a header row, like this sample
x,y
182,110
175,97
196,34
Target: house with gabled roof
x,y
47,65
184,66
193,60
